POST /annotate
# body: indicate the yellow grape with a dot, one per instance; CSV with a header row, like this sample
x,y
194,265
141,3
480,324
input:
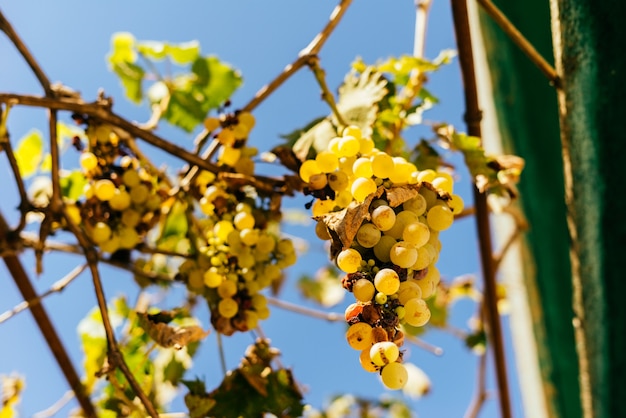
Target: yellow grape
x,y
338,181
362,187
387,281
416,233
427,175
352,130
139,194
383,248
243,220
322,231
246,119
384,352
349,260
101,232
363,290
394,376
104,189
229,155
403,254
456,204
88,161
348,146
443,184
416,205
308,168
228,307
368,235
327,161
382,165
249,236
360,336
366,146
367,363
362,167
416,312
440,217
384,217
212,278
131,178
318,181
408,290
211,124
120,200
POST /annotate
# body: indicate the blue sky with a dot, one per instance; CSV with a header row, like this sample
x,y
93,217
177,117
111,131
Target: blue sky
x,y
70,40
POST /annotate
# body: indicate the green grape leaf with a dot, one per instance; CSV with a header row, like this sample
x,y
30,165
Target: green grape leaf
x,y
29,153
174,226
324,288
46,163
184,53
184,110
153,49
131,76
265,389
216,80
73,185
122,48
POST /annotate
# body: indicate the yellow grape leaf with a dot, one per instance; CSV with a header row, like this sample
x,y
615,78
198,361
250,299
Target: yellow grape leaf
x,y
167,336
29,153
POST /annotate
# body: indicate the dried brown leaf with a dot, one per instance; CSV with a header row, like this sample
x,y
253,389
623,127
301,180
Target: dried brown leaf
x,y
168,336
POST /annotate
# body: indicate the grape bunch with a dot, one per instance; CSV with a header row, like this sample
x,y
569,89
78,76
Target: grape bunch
x,y
241,251
122,199
384,217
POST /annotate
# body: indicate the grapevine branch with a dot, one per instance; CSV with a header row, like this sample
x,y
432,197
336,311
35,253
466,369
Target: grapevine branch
x,y
516,36
481,390
320,76
116,359
48,331
473,117
58,286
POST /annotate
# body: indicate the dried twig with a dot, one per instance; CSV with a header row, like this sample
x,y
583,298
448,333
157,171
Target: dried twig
x,y
473,118
58,286
21,279
314,313
481,391
56,407
433,349
320,76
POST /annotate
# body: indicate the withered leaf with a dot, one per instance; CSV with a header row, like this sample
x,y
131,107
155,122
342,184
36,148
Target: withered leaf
x,y
168,336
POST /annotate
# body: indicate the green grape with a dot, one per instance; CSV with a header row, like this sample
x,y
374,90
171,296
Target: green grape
x,y
380,298
416,312
440,218
348,146
408,290
88,161
120,200
368,235
394,376
416,205
101,232
416,233
307,169
384,352
362,187
387,281
367,363
212,278
360,336
403,254
338,181
104,189
227,289
243,220
456,204
403,218
362,167
383,248
327,161
349,260
382,165
227,307
139,194
363,290
383,217
131,178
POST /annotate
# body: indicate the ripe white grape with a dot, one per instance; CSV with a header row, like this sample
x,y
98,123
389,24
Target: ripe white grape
x,y
387,281
363,290
308,168
383,217
440,217
228,307
327,161
348,146
403,218
408,290
394,376
456,204
120,200
101,232
416,205
366,362
416,312
368,235
104,189
349,260
382,165
243,220
338,181
362,167
384,352
416,233
403,254
362,187
383,248
88,161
